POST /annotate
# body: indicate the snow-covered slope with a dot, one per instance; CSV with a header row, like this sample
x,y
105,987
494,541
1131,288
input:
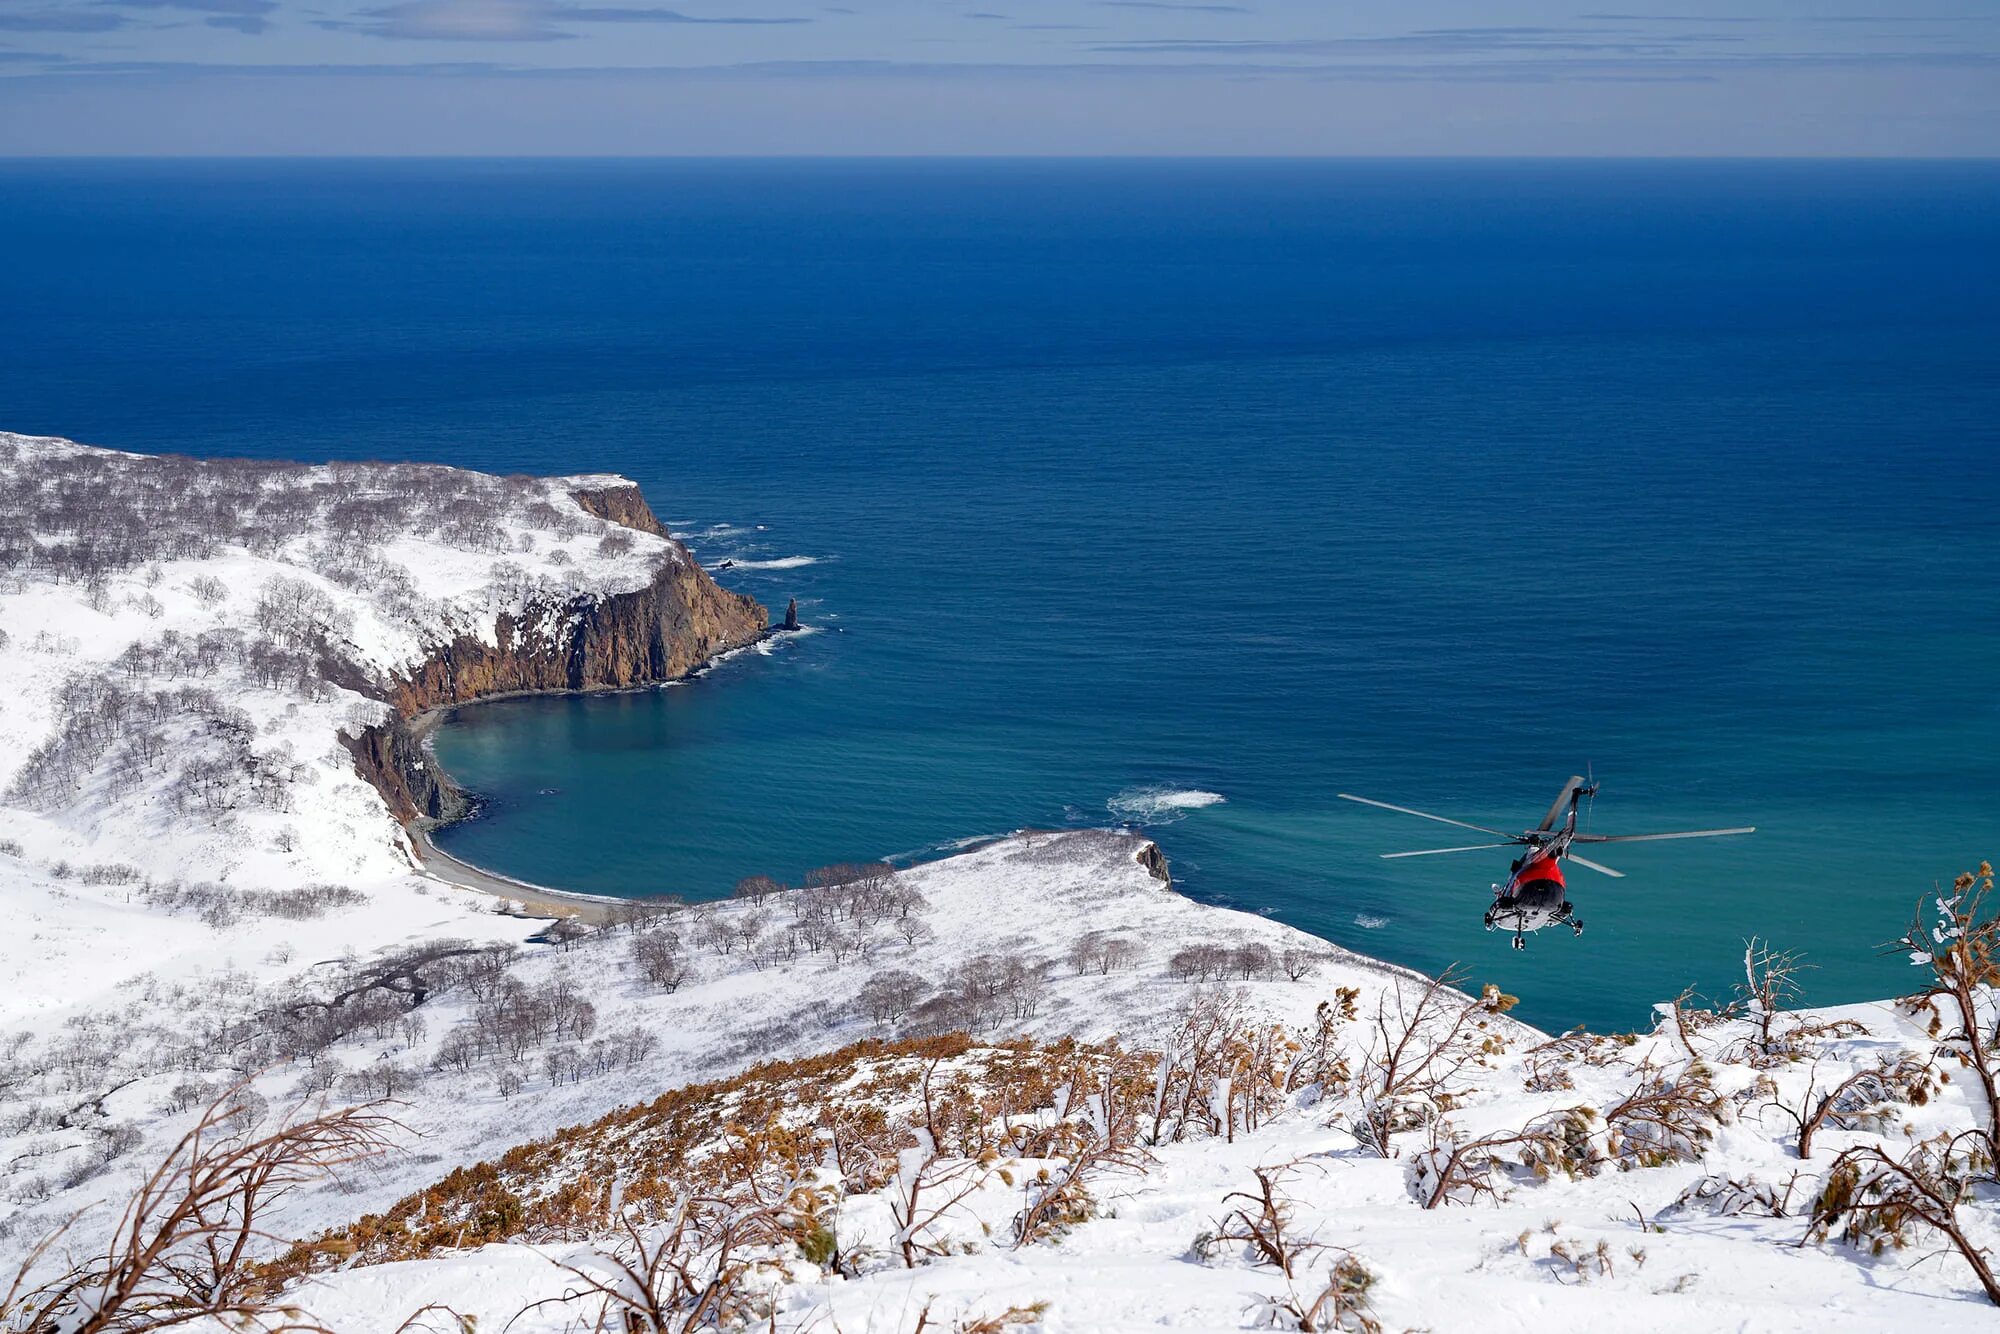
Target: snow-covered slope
x,y
204,894
185,643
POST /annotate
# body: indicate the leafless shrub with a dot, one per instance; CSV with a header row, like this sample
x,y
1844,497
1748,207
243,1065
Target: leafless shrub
x,y
1451,1170
1252,960
1871,1098
1341,1304
1765,997
1220,1069
181,1248
757,889
693,1270
1961,951
1095,1131
1418,1047
1669,1117
1262,1223
220,905
1200,963
929,1186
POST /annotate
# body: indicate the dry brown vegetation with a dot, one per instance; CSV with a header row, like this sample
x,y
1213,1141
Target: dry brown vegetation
x,y
855,1110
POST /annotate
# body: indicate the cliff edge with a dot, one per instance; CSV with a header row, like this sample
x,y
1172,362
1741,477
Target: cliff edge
x,y
673,626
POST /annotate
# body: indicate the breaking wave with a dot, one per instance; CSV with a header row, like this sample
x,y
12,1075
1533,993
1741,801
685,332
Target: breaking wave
x,y
1369,922
1159,804
777,563
769,643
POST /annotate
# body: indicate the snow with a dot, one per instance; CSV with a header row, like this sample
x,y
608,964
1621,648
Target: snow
x,y
1490,1267
96,978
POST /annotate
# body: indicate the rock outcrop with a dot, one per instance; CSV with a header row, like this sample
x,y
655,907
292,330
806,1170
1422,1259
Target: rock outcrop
x,y
623,505
663,631
1155,862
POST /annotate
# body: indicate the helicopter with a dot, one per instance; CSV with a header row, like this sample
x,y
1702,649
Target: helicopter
x,y
1535,894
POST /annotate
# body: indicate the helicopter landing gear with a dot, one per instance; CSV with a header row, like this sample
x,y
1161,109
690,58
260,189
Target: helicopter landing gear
x,y
1576,928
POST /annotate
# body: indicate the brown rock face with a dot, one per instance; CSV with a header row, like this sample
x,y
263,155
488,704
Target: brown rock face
x,y
1155,862
657,633
621,505
392,759
660,632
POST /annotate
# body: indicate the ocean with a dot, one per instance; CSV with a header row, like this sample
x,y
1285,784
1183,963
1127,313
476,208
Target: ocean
x,y
1182,494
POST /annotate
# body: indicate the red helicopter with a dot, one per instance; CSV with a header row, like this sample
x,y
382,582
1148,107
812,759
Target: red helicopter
x,y
1535,895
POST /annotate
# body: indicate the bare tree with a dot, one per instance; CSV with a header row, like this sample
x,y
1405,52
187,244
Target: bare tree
x,y
1299,964
891,993
657,955
757,888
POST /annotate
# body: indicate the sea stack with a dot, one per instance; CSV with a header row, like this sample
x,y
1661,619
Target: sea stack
x,y
792,614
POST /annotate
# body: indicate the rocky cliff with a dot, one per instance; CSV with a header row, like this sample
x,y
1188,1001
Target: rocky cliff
x,y
624,505
671,627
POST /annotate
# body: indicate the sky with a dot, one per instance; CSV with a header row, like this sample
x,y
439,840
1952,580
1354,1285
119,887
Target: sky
x,y
1268,77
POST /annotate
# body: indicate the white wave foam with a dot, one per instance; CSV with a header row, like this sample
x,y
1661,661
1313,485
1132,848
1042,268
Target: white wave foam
x,y
769,643
777,563
1368,922
1159,804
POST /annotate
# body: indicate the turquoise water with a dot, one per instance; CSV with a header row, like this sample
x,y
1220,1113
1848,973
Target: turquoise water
x,y
1435,482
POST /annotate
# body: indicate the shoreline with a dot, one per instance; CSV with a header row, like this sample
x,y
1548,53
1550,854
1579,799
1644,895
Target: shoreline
x,y
538,901
535,900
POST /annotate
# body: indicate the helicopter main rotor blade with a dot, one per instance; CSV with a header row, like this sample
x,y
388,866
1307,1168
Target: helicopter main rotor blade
x,y
1562,799
1426,815
1601,870
1654,838
1432,852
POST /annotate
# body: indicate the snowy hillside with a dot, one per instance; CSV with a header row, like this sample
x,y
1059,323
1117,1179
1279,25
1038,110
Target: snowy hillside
x,y
184,643
1027,1085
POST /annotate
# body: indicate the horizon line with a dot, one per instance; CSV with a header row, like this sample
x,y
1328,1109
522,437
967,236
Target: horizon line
x,y
976,156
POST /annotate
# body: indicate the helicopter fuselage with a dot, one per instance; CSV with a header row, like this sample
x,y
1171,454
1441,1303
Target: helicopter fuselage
x,y
1534,896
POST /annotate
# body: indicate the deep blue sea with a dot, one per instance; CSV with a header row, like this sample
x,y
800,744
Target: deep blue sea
x,y
1434,481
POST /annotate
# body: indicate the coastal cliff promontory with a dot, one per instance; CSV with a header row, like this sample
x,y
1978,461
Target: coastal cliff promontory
x,y
673,625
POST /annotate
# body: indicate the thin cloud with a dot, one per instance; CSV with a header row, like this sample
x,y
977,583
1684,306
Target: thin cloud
x,y
1789,18
244,16
1169,4
511,20
1440,42
61,20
